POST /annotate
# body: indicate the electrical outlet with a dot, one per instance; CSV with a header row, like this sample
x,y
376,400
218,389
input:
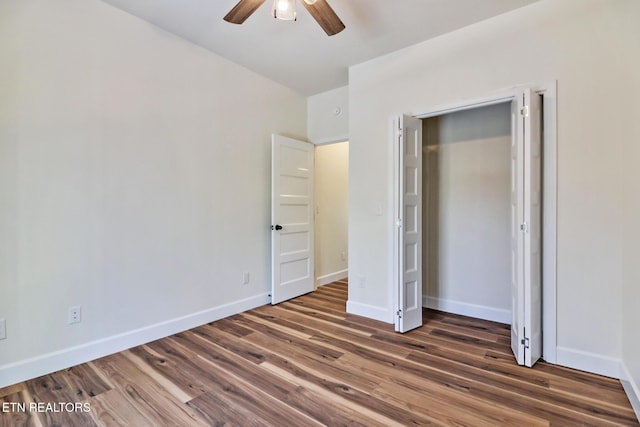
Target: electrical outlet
x,y
362,282
245,278
343,256
74,315
3,329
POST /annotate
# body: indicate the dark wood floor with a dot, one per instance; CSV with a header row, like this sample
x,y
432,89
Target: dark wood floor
x,y
305,362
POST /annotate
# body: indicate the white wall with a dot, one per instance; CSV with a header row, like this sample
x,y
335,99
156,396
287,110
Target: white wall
x,y
134,181
331,215
631,295
466,192
328,116
589,47
629,110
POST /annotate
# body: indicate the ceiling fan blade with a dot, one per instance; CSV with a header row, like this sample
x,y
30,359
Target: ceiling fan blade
x,y
242,11
325,16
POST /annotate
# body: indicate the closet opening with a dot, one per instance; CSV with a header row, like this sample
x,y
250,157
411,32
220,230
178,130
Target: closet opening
x,y
466,232
475,216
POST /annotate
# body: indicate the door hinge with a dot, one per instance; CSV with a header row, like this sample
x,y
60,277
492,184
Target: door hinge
x,y
399,223
524,227
525,111
399,314
525,342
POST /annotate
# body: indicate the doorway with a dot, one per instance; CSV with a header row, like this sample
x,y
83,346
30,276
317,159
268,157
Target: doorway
x,y
308,232
331,212
533,265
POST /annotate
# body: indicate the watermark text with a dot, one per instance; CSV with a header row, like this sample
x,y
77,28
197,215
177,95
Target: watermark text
x,y
45,407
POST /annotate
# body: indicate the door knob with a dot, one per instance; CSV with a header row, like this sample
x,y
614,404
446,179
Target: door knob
x,y
277,227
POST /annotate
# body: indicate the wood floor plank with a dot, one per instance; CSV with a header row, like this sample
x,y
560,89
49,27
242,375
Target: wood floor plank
x,y
235,346
305,401
304,319
306,362
316,362
285,361
259,404
84,382
569,380
385,413
294,320
461,329
509,370
434,387
324,408
264,399
167,373
231,327
500,329
296,343
194,345
50,390
18,412
146,394
416,377
453,409
288,361
171,387
334,292
58,396
114,409
219,411
317,314
319,306
12,389
522,387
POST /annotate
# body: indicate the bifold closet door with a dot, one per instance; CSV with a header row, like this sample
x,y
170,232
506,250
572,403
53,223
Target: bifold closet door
x,y
408,226
526,212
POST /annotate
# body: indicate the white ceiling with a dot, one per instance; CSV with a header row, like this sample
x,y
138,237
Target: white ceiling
x,y
299,54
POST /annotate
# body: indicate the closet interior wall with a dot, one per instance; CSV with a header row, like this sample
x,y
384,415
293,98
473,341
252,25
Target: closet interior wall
x,y
466,219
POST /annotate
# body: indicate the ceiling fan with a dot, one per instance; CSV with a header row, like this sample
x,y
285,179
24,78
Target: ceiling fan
x,y
284,9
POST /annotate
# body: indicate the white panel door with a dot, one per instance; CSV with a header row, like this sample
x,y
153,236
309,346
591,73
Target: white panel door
x,y
292,256
408,232
526,212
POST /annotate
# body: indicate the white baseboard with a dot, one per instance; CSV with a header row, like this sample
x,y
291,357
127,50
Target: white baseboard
x,y
27,369
466,309
330,278
632,389
371,311
589,362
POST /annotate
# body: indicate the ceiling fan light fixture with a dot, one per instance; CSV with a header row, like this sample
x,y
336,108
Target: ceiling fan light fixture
x,y
321,12
285,9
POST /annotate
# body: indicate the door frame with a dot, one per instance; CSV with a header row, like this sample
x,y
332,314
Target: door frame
x,y
549,202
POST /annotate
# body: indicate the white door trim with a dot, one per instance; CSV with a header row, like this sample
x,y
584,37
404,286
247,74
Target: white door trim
x,y
549,208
